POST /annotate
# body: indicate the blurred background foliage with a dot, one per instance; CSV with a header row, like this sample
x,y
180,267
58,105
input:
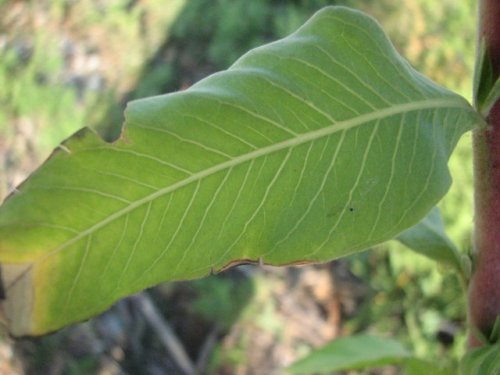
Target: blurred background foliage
x,y
67,64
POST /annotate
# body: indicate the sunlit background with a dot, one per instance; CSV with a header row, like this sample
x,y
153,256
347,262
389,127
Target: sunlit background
x,y
66,64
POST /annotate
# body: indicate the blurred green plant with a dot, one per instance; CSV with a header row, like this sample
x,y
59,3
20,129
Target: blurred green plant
x,y
221,35
221,300
30,89
363,351
56,81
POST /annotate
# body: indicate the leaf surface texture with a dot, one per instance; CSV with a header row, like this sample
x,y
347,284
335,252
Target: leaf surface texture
x,y
310,148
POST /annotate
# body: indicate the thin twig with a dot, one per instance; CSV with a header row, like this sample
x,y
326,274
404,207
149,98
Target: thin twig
x,y
165,334
206,349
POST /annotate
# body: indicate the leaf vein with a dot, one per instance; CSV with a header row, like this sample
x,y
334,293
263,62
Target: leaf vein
x,y
292,142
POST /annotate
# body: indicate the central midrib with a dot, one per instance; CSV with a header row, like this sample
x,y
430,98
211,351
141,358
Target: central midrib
x,y
292,142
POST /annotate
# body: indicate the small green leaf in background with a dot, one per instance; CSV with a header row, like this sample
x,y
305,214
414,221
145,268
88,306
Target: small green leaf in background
x,y
350,353
364,351
490,100
482,361
416,366
313,147
495,332
486,87
429,238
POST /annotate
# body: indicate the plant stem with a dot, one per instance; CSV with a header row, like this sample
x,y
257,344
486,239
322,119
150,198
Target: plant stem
x,y
484,289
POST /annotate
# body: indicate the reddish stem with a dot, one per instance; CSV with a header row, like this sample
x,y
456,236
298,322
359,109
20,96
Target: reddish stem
x,y
484,289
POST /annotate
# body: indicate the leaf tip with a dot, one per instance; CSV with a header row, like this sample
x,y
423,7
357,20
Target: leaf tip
x,y
16,299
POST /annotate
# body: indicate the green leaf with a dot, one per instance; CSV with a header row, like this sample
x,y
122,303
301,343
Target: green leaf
x,y
486,86
482,361
429,238
363,351
416,366
483,74
313,147
495,331
490,100
349,353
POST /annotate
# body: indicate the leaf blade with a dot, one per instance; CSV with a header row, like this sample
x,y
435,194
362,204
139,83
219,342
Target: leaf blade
x,y
429,238
351,353
252,164
484,360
